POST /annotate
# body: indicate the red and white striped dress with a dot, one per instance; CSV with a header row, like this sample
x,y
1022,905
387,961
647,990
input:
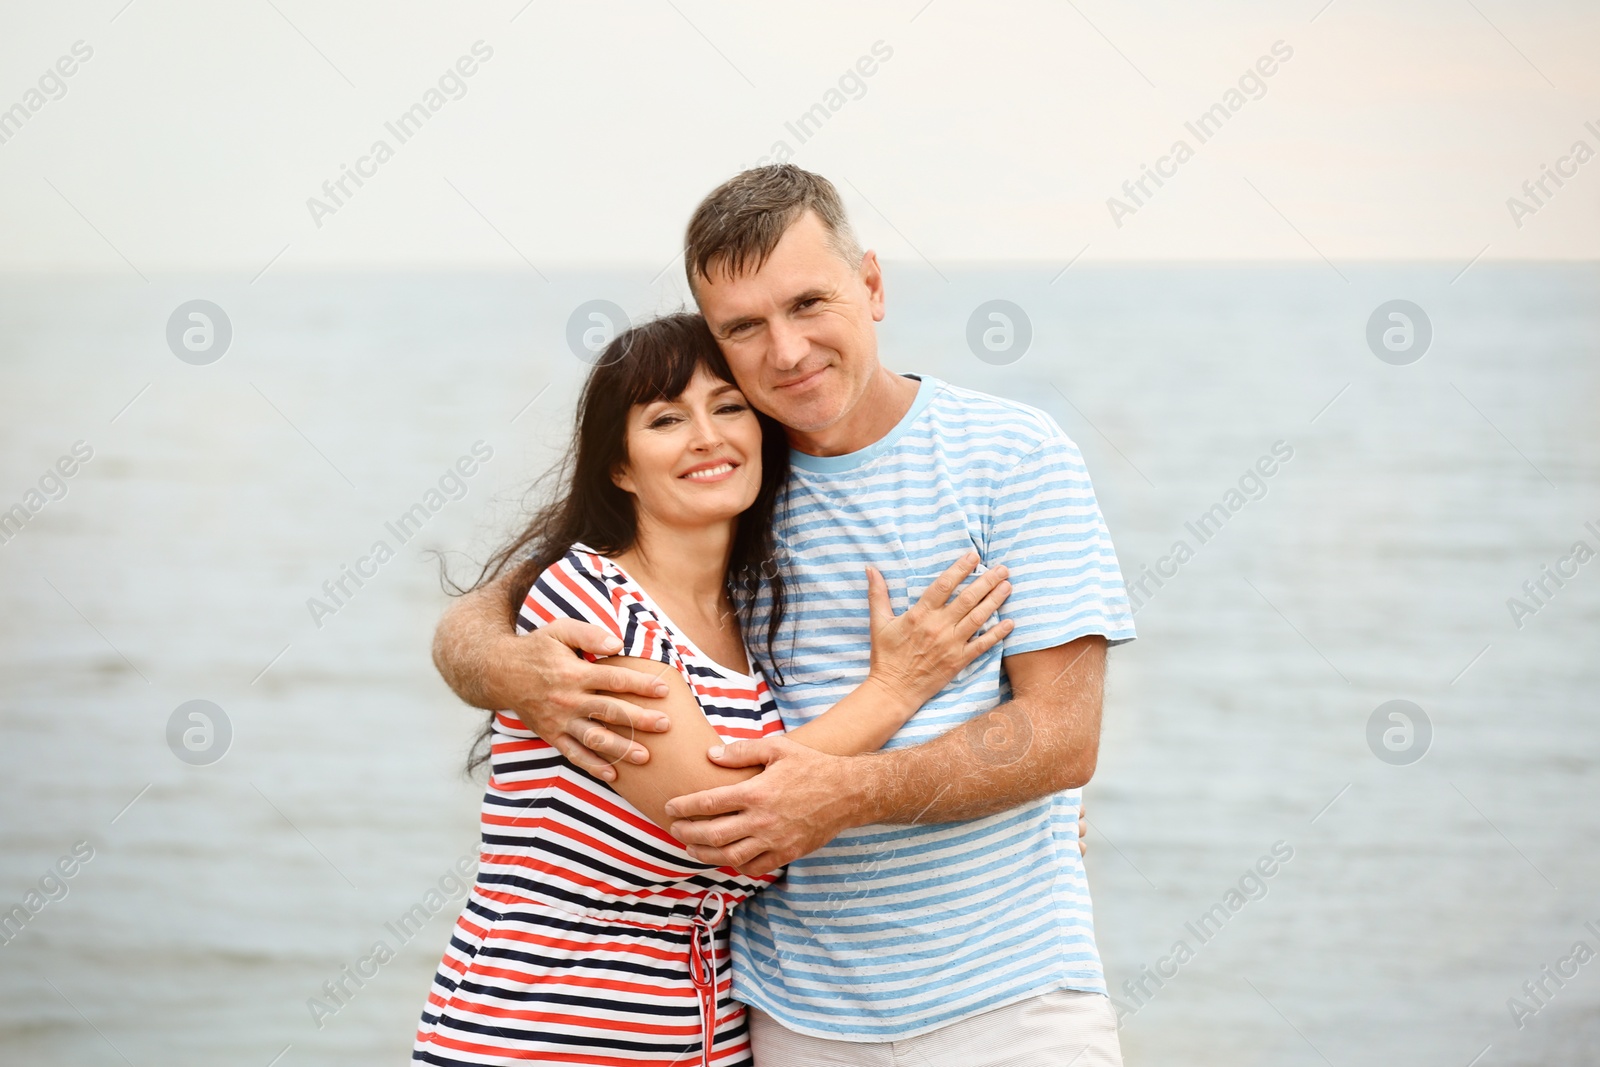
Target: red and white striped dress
x,y
588,923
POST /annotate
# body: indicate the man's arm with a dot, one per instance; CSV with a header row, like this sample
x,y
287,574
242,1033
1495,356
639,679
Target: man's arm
x,y
1044,740
563,698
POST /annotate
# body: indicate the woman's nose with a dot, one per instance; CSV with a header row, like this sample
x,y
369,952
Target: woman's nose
x,y
706,436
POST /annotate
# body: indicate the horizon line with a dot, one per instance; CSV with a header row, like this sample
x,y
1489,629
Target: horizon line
x,y
655,269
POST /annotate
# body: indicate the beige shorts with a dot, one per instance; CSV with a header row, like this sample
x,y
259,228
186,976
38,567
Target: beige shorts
x,y
1064,1028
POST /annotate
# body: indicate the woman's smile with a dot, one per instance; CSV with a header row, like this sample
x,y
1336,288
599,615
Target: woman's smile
x,y
715,471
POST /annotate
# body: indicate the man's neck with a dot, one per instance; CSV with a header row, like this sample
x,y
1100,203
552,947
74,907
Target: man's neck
x,y
887,399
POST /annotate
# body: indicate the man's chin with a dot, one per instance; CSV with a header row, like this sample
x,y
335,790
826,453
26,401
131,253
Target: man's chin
x,y
811,415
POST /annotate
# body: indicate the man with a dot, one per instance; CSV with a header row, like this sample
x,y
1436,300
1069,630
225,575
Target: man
x,y
934,908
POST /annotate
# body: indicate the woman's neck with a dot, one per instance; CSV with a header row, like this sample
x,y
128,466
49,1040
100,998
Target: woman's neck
x,y
687,565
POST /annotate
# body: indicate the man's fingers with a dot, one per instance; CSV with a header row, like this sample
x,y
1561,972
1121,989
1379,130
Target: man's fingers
x,y
719,801
763,864
588,729
607,679
712,833
575,633
621,716
935,595
707,854
585,760
744,753
733,855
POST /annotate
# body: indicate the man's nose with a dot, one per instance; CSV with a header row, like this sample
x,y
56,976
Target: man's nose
x,y
789,345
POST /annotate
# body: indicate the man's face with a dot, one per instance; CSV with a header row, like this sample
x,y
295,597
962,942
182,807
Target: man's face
x,y
798,334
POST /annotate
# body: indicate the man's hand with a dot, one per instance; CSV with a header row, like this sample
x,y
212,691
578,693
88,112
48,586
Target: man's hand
x,y
569,701
774,818
563,698
800,802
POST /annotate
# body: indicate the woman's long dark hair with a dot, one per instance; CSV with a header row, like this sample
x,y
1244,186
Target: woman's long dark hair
x,y
651,361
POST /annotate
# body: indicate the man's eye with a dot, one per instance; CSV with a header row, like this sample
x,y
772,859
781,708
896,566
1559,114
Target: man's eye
x,y
806,303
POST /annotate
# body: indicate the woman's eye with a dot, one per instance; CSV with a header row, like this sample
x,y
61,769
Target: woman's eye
x,y
663,421
731,409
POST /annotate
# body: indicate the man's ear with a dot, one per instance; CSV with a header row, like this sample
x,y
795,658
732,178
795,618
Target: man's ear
x,y
872,277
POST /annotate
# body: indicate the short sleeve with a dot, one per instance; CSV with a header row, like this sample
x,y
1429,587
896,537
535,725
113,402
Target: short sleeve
x,y
1045,526
583,585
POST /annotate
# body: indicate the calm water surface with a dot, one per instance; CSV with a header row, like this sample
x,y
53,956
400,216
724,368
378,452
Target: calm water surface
x,y
1374,564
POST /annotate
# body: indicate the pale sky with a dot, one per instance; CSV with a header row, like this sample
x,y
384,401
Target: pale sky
x,y
194,135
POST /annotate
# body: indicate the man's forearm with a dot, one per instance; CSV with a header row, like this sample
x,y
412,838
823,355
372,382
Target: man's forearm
x,y
459,651
1043,741
992,764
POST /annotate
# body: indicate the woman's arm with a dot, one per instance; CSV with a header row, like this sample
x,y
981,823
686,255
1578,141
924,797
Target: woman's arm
x,y
914,655
678,762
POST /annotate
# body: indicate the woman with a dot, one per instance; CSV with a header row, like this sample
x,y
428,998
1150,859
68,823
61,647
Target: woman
x,y
591,936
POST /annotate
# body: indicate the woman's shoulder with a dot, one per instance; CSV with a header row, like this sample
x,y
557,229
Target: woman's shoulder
x,y
588,586
582,584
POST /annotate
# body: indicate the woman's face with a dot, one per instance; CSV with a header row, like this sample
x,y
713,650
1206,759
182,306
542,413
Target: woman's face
x,y
695,459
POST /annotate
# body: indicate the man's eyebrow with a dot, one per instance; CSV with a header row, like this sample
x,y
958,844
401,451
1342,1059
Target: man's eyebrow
x,y
816,292
725,326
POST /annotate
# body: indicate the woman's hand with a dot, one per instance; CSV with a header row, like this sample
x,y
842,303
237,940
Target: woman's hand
x,y
918,653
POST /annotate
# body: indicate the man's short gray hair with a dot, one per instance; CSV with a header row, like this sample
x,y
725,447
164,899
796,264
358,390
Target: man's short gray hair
x,y
737,226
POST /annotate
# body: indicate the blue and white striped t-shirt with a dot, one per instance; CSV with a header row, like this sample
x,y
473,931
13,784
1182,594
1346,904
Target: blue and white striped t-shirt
x,y
892,931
